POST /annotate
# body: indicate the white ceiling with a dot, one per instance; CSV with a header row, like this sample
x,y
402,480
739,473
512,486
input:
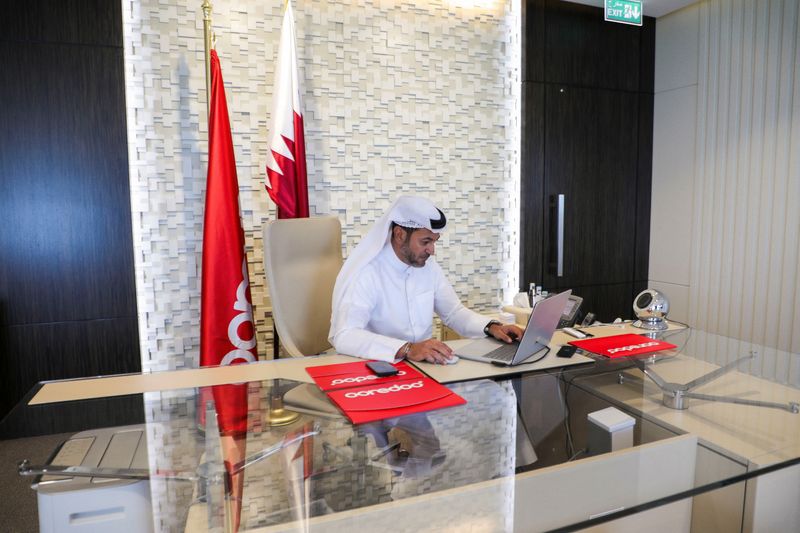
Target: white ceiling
x,y
651,8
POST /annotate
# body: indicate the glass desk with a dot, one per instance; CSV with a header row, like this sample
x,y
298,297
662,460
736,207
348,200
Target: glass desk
x,y
519,456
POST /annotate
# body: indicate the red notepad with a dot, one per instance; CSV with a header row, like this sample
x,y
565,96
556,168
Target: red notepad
x,y
377,402
622,345
344,375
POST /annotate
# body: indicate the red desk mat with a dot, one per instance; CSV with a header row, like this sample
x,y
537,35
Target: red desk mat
x,y
377,402
622,345
364,397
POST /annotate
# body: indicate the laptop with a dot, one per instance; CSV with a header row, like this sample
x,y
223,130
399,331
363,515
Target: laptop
x,y
533,345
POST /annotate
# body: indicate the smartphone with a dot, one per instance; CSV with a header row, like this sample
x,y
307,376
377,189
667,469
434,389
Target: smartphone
x,y
567,350
381,368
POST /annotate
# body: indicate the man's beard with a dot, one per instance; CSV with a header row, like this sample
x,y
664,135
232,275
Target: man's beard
x,y
413,260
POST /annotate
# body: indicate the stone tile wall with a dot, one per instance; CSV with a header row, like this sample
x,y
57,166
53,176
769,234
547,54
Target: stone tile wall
x,y
399,97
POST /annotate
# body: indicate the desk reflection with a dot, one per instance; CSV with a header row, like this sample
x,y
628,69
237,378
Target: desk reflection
x,y
345,467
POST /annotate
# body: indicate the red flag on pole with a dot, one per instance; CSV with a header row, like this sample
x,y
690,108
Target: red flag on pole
x,y
227,332
286,164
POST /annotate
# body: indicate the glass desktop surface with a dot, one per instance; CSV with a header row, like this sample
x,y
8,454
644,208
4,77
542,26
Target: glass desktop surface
x,y
743,414
517,457
741,398
314,466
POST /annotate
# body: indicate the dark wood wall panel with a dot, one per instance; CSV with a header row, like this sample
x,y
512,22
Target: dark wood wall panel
x,y
92,22
64,185
67,289
38,352
582,49
644,188
590,137
71,417
532,182
607,301
533,39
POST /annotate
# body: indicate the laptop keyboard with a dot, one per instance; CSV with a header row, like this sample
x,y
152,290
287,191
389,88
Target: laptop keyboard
x,y
504,353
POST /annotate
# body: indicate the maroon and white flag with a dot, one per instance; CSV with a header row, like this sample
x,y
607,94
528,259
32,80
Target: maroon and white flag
x,y
286,162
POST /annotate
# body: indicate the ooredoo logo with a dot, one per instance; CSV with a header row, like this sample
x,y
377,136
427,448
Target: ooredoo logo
x,y
385,390
632,347
359,379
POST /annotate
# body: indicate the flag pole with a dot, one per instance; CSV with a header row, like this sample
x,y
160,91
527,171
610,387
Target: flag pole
x,y
206,7
232,446
278,416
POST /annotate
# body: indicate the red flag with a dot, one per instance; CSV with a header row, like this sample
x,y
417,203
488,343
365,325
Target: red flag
x,y
227,332
286,165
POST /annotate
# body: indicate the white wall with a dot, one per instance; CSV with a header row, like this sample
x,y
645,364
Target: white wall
x,y
674,113
726,169
400,97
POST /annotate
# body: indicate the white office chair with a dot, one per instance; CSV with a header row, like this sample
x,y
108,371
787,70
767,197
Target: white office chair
x,y
302,257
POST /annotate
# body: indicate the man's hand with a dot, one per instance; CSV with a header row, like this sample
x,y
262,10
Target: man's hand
x,y
505,332
431,350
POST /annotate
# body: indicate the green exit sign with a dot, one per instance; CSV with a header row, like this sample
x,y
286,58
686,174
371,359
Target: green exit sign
x,y
624,11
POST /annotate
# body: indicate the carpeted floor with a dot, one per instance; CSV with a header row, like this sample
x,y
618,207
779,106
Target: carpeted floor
x,y
18,508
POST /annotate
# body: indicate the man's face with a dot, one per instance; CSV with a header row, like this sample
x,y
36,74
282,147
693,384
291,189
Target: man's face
x,y
415,247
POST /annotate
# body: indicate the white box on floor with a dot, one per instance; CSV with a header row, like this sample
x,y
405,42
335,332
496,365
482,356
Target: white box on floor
x,y
609,430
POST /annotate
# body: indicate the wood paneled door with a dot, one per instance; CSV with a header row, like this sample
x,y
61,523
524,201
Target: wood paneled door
x,y
586,154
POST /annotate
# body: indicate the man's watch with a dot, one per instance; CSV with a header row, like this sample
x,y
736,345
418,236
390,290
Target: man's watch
x,y
489,325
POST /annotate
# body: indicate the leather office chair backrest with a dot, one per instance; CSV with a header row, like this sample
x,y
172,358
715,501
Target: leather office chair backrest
x,y
302,257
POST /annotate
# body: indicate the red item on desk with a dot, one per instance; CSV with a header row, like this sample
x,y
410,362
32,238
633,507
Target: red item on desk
x,y
404,397
622,345
345,375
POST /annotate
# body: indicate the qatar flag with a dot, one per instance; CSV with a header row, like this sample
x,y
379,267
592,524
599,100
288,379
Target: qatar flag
x,y
286,162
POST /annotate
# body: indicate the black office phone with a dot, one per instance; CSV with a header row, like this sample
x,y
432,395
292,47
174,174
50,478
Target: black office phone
x,y
570,313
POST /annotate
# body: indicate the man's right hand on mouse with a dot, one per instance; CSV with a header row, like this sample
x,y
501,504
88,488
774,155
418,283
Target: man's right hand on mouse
x,y
430,350
507,333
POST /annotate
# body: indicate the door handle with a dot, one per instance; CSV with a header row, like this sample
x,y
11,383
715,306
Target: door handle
x,y
560,236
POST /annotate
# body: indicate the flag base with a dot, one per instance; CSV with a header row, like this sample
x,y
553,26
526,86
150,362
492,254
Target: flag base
x,y
278,416
281,417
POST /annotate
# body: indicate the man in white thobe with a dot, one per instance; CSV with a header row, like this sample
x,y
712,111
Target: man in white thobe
x,y
390,286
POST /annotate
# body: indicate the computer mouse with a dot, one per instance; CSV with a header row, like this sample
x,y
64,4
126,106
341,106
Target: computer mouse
x,y
453,360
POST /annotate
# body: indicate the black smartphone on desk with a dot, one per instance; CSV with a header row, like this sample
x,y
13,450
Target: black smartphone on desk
x,y
381,369
567,350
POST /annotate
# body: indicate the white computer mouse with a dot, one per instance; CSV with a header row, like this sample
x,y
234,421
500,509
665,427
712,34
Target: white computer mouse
x,y
453,360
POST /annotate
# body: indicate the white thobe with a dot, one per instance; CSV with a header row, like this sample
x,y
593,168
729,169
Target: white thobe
x,y
391,303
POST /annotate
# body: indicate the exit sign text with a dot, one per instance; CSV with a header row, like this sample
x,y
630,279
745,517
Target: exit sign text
x,y
624,11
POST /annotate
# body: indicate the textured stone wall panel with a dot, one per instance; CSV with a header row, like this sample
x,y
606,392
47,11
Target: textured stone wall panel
x,y
399,97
